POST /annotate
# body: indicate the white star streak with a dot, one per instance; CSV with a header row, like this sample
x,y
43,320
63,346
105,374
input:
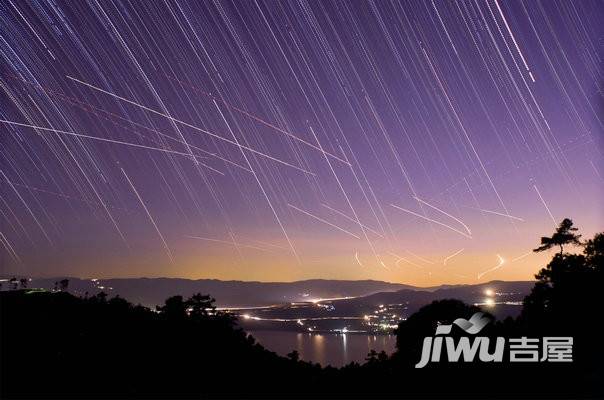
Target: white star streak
x,y
188,125
399,259
356,257
263,122
346,197
496,267
100,139
447,258
545,205
31,213
419,258
353,220
444,212
168,252
270,204
323,221
505,21
432,220
226,242
465,132
520,257
9,248
497,213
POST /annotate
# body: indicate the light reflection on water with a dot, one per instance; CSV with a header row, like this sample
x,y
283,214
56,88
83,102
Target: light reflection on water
x,y
334,349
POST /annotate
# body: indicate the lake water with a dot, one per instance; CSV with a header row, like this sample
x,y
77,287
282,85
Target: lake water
x,y
334,349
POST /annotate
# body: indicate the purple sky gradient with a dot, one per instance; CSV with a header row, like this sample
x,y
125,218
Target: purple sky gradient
x,y
295,139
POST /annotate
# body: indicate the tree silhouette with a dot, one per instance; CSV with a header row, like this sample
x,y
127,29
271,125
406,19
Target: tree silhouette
x,y
200,305
101,297
64,284
594,251
412,331
371,356
375,357
565,234
294,355
23,283
567,292
174,308
13,283
94,347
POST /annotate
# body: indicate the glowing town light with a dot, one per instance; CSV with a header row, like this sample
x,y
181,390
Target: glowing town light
x,y
489,302
489,292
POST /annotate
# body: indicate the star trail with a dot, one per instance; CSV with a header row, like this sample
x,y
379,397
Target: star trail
x,y
289,140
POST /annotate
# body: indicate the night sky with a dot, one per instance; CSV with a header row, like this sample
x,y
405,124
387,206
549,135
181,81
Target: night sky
x,y
421,142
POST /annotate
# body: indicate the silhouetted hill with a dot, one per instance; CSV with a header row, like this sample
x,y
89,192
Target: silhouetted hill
x,y
378,311
503,299
153,291
363,295
55,345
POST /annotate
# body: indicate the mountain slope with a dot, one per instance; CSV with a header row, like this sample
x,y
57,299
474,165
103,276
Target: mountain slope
x,y
153,291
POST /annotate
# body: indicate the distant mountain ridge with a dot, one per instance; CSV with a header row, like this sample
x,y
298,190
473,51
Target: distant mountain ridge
x,y
505,295
502,299
153,291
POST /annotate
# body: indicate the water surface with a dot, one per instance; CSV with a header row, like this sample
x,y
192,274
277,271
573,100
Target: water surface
x,y
334,349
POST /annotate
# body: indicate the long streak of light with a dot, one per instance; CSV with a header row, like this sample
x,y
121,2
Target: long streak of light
x,y
168,252
451,256
189,125
269,244
260,120
444,212
268,201
81,135
226,242
497,213
9,248
353,220
465,133
399,259
356,257
323,221
108,115
382,263
432,220
545,205
496,267
354,213
505,21
420,258
31,213
520,257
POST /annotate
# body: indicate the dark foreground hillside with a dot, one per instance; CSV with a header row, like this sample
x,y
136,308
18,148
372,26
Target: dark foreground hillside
x,y
60,345
56,345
